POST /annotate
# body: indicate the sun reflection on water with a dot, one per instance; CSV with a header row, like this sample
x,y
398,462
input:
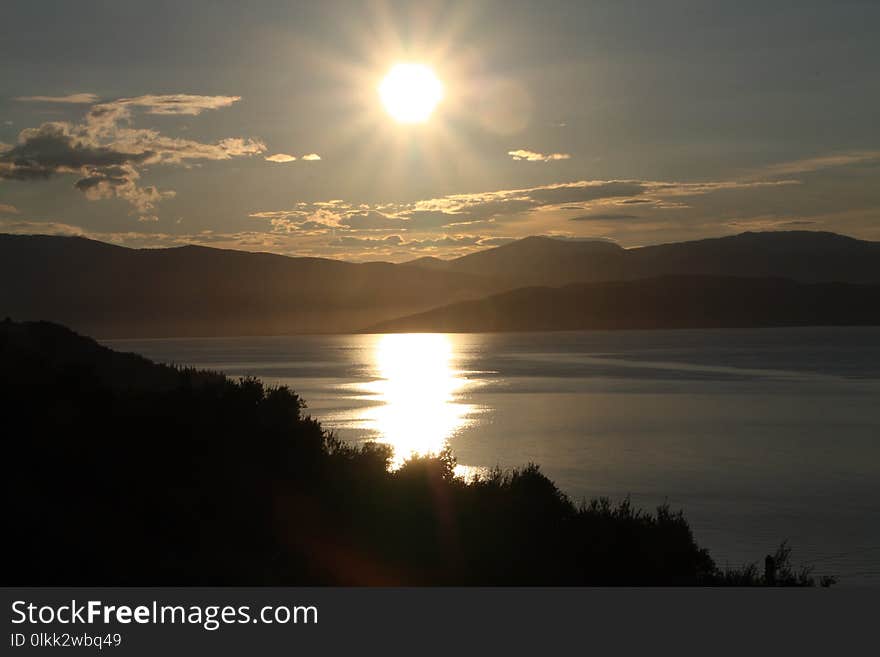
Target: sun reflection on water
x,y
417,393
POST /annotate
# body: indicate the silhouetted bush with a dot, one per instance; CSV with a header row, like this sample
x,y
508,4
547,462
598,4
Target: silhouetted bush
x,y
121,471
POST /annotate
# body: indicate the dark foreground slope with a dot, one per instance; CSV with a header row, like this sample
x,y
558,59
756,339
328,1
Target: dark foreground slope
x,y
111,291
119,471
667,302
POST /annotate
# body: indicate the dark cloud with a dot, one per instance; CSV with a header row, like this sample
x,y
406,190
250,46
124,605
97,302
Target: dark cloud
x,y
580,193
113,175
51,148
106,152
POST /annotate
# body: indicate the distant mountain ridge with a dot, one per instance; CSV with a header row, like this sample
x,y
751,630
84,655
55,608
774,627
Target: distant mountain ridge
x,y
658,303
113,291
807,256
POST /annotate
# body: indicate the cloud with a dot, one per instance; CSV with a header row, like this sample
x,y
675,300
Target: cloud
x,y
371,220
603,217
368,242
810,164
26,227
771,223
432,243
106,153
284,157
522,154
487,242
586,191
428,219
83,99
280,157
484,209
121,182
6,208
53,148
182,104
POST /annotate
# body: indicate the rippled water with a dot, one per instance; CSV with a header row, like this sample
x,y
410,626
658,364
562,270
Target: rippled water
x,y
759,435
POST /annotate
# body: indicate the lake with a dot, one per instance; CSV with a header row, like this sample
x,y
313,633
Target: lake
x,y
758,435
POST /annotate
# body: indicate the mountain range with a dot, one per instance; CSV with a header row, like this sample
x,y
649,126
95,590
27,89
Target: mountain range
x,y
111,291
806,256
533,283
654,303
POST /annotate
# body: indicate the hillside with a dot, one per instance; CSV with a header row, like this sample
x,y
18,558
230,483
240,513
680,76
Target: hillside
x,y
111,291
665,302
805,256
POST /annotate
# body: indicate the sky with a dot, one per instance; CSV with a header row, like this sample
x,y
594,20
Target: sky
x,y
259,125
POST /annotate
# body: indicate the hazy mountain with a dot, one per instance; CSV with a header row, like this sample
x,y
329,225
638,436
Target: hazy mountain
x,y
667,302
800,255
111,291
430,262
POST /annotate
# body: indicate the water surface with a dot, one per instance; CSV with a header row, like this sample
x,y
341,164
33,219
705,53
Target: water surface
x,y
759,435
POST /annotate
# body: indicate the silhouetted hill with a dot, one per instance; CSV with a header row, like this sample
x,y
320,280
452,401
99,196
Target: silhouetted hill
x,y
123,472
546,261
806,256
665,302
111,291
429,262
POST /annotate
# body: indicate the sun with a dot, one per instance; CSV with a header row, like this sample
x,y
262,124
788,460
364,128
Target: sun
x,y
410,92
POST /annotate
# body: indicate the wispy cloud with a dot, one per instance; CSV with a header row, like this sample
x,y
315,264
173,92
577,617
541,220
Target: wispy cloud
x,y
6,208
420,244
27,227
457,210
604,217
184,104
810,164
771,223
522,154
82,99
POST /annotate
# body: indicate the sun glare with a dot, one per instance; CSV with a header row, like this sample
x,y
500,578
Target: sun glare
x,y
418,391
410,92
